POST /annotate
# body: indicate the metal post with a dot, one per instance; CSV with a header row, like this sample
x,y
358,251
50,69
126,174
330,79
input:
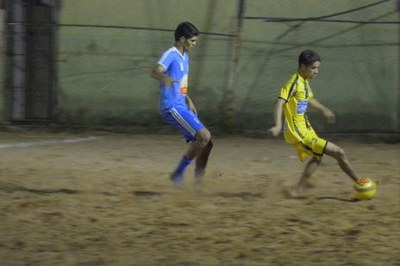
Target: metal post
x,y
31,64
16,29
227,106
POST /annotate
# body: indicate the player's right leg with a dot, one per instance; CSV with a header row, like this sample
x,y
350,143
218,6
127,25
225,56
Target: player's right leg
x,y
202,156
336,152
201,141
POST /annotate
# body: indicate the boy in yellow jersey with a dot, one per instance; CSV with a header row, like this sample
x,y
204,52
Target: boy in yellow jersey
x,y
294,99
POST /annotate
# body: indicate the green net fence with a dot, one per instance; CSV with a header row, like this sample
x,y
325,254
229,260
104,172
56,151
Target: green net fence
x,y
106,50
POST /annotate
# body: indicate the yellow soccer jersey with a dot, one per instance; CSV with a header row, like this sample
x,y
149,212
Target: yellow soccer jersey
x,y
298,130
296,93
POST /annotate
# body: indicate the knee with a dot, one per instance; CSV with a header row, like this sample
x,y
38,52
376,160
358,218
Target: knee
x,y
210,144
339,154
204,138
317,159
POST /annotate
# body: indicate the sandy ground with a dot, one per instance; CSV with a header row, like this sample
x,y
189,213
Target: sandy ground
x,y
66,199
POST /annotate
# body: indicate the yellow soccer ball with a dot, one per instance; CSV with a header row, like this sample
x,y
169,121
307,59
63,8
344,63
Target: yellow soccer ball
x,y
364,189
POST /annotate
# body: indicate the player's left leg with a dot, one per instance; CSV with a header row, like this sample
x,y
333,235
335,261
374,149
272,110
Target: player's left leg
x,y
304,182
200,142
336,152
201,161
309,169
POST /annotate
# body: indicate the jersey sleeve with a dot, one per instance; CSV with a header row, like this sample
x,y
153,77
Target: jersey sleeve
x,y
287,90
284,93
166,59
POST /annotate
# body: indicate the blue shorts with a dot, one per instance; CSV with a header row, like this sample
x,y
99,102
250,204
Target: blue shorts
x,y
184,120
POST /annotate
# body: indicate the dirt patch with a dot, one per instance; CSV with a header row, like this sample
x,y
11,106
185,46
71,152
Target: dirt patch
x,y
108,201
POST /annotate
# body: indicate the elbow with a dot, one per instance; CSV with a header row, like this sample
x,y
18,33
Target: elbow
x,y
154,75
280,102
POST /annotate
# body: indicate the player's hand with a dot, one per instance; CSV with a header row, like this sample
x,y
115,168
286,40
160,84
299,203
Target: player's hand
x,y
330,116
274,131
193,109
191,105
168,81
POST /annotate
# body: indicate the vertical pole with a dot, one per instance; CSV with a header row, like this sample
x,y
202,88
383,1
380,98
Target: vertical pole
x,y
53,97
397,115
196,83
40,61
17,58
227,106
31,66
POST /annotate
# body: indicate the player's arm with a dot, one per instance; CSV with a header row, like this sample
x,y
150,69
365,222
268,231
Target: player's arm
x,y
330,116
158,74
191,104
276,130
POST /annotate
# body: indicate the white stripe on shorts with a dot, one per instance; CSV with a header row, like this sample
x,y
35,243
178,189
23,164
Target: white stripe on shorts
x,y
182,121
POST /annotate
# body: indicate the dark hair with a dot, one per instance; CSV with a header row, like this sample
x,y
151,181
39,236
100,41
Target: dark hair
x,y
308,57
187,30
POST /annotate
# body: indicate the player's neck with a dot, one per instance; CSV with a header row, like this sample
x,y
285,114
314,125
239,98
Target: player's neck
x,y
180,48
302,75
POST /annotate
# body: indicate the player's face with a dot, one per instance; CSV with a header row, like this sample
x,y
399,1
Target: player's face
x,y
311,71
189,43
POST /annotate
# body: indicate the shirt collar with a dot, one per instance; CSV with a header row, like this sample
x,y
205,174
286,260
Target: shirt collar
x,y
179,52
300,77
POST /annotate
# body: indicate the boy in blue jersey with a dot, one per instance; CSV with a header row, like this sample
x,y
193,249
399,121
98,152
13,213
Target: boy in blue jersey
x,y
176,108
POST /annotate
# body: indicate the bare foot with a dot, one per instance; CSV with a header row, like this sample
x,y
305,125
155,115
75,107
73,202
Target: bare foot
x,y
308,185
198,180
295,193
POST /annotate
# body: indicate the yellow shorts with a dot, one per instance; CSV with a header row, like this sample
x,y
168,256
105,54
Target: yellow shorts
x,y
310,145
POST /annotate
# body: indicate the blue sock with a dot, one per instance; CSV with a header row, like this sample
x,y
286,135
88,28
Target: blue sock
x,y
182,165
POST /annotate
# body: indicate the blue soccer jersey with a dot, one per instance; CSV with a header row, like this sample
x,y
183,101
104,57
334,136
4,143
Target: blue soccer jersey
x,y
176,66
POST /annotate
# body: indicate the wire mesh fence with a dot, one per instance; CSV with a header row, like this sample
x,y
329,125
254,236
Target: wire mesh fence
x,y
359,45
106,50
